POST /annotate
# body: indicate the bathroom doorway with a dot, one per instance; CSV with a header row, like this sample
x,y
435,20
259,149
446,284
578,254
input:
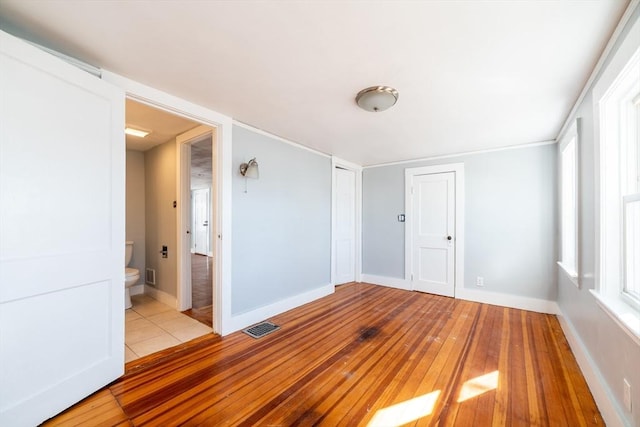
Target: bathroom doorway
x,y
155,321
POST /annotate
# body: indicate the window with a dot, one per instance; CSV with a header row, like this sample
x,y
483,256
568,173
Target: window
x,y
568,203
631,204
631,248
618,157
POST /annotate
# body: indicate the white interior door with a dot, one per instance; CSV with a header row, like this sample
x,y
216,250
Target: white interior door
x,y
61,234
433,240
201,219
345,233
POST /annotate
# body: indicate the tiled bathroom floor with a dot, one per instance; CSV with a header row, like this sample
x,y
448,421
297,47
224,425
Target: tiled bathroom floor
x,y
151,326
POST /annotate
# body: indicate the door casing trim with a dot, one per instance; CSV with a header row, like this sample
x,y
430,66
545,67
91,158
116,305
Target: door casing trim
x,y
222,319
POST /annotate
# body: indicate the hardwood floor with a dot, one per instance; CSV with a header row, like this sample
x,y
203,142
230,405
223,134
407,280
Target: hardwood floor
x,y
201,289
201,281
366,355
202,315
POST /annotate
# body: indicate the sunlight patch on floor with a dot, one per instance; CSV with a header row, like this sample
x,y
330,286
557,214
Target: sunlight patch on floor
x,y
478,385
405,412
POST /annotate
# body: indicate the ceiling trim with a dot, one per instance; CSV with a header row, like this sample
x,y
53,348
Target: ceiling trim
x,y
279,138
464,153
599,65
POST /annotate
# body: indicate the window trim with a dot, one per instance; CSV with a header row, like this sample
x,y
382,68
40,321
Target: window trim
x,y
571,136
610,300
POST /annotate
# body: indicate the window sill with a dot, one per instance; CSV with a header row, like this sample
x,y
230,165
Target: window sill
x,y
572,275
622,313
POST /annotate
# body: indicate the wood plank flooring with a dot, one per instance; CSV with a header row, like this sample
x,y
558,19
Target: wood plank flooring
x,y
366,355
203,315
201,289
201,281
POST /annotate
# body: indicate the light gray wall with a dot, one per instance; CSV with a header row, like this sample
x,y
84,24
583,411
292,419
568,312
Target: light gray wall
x,y
281,225
510,204
161,227
614,353
135,209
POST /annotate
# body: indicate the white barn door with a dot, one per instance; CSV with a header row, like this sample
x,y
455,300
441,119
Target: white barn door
x,y
61,233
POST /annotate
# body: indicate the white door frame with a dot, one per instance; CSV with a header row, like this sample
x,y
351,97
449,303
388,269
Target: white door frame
x,y
183,217
409,173
357,169
161,100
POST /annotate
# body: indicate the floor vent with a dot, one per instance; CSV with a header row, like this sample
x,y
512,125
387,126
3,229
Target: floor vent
x,y
150,276
261,329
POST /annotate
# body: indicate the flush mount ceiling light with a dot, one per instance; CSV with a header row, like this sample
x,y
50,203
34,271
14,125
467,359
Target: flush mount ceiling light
x,y
136,132
377,98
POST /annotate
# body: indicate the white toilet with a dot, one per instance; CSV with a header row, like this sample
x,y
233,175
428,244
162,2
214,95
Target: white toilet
x,y
131,275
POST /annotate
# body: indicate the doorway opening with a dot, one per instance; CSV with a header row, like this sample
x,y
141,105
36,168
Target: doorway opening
x,y
197,143
154,177
201,179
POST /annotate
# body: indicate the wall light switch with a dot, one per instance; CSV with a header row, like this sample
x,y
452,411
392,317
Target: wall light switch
x,y
401,218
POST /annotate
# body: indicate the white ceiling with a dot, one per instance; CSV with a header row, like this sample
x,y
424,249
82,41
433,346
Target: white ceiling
x,y
471,75
161,125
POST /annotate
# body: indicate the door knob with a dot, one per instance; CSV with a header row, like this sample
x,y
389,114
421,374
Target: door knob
x,y
448,237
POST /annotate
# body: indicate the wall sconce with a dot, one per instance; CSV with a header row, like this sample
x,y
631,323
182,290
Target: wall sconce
x,y
249,170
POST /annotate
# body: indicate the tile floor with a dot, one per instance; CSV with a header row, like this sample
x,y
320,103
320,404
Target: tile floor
x,y
151,326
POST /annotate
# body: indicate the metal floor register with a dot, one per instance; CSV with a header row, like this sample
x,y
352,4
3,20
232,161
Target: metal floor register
x,y
261,329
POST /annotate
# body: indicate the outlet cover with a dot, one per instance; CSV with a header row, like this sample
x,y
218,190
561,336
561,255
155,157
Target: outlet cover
x,y
480,281
627,394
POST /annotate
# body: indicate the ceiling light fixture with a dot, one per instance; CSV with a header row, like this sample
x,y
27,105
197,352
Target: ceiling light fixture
x,y
377,98
136,132
250,169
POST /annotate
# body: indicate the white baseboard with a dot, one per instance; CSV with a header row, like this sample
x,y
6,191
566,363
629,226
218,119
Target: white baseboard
x,y
136,289
390,282
508,300
161,296
601,393
486,297
243,320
